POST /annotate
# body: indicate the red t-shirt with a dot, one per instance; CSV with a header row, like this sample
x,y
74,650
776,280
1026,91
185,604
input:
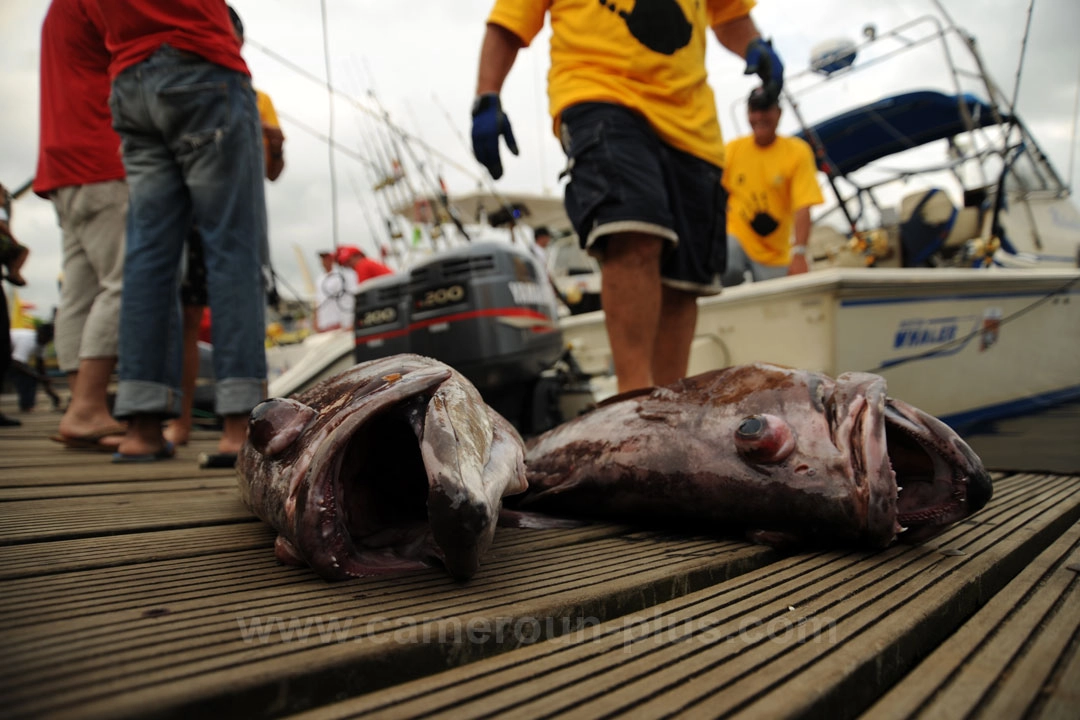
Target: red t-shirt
x,y
135,29
366,268
77,144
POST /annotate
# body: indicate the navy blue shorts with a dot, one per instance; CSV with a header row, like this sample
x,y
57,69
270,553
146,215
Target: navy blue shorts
x,y
623,178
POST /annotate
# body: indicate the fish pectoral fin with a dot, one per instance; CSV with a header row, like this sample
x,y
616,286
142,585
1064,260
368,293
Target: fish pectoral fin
x,y
773,538
536,521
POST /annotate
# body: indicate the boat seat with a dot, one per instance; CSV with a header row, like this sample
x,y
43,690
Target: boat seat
x,y
965,227
927,219
936,209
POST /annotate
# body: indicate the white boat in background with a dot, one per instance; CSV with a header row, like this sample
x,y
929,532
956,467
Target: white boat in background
x,y
968,307
965,345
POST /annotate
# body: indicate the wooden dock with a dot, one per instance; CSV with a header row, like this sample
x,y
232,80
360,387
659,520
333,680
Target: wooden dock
x,y
150,591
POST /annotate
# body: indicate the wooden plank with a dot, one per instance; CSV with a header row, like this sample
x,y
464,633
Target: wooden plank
x,y
59,556
217,481
97,468
1008,660
812,635
35,520
178,635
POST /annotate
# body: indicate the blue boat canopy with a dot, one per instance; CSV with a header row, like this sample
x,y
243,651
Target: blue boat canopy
x,y
901,122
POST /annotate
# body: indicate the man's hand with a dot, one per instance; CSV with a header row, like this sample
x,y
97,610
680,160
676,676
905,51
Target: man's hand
x,y
763,60
489,122
273,145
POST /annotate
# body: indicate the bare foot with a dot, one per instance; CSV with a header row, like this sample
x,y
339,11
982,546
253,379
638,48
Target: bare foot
x,y
233,433
177,433
143,436
104,427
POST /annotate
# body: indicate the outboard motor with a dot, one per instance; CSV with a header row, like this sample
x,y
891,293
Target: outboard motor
x,y
488,310
382,317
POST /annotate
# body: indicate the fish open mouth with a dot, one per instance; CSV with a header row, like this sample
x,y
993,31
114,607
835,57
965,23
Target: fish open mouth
x,y
382,487
364,508
939,479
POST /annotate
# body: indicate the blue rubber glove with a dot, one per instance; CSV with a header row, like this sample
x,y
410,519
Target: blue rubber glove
x,y
763,60
488,123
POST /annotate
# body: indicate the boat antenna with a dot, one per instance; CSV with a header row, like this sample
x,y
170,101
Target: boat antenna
x,y
1072,142
999,199
330,146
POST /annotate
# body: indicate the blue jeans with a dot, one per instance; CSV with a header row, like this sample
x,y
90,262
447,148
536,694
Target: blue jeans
x,y
193,151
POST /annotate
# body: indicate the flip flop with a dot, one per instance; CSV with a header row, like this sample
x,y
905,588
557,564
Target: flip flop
x,y
91,441
167,451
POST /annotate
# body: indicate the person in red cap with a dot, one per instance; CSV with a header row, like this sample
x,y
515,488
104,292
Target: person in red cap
x,y
365,268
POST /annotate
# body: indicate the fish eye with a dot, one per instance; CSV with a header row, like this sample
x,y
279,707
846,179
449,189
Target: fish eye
x,y
764,439
752,428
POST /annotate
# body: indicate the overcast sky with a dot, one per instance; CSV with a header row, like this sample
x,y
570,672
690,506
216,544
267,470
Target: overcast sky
x,y
417,59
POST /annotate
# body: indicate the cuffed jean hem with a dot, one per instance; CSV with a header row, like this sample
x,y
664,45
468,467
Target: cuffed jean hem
x,y
237,396
139,397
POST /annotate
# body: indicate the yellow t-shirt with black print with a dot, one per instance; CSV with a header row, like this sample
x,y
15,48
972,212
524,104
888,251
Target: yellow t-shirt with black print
x,y
765,187
646,55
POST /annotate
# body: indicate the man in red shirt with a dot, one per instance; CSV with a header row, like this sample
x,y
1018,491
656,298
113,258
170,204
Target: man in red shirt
x,y
366,268
183,104
80,170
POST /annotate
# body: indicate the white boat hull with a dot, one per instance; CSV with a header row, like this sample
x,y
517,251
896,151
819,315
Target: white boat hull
x,y
960,344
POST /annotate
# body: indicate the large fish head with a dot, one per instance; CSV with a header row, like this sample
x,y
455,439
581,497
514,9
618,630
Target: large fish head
x,y
390,466
894,470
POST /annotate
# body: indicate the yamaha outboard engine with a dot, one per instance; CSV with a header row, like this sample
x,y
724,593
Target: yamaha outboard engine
x,y
382,317
486,309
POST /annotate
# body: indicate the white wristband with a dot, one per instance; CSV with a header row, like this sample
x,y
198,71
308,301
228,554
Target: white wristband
x,y
798,249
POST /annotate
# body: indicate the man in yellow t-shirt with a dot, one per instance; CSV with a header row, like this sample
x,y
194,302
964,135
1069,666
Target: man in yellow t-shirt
x,y
630,102
771,183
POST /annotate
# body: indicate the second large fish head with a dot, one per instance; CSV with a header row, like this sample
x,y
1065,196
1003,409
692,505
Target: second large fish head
x,y
388,466
778,452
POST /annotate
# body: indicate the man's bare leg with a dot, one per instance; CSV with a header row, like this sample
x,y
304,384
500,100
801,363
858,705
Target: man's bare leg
x,y
630,293
88,411
233,433
678,322
178,430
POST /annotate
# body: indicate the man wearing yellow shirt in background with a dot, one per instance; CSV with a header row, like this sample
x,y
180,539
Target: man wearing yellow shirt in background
x,y
630,101
771,183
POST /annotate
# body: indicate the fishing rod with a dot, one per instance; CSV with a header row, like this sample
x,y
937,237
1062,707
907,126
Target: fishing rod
x,y
398,199
277,57
434,184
